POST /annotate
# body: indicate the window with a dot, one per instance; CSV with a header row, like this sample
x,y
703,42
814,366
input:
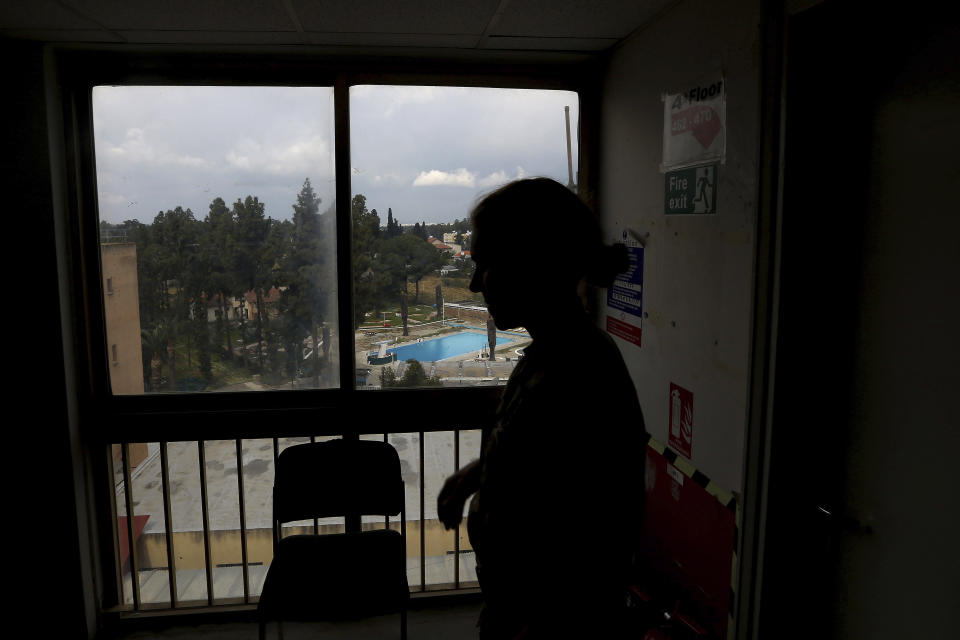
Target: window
x,y
421,157
205,223
217,203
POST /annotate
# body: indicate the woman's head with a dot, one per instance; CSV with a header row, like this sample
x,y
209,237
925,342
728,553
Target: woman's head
x,y
534,241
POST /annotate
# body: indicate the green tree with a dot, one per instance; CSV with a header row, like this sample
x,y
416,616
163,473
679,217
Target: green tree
x,y
305,269
409,258
252,262
414,375
388,378
220,243
367,273
175,234
393,226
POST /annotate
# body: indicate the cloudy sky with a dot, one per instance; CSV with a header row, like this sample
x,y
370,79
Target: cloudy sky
x,y
425,152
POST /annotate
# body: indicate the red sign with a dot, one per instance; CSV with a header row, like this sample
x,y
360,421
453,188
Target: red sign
x,y
681,420
702,120
688,543
623,330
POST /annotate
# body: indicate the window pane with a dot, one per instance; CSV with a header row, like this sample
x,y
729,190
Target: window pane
x,y
217,237
149,547
470,442
438,465
421,157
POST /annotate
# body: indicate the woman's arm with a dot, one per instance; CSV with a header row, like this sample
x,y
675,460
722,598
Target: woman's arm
x,y
455,492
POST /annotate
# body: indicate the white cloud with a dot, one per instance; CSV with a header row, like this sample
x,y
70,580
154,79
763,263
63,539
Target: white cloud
x,y
387,179
456,178
114,198
500,177
392,97
136,148
297,157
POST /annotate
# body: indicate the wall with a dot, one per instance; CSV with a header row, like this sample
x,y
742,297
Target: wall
x,y
55,561
698,270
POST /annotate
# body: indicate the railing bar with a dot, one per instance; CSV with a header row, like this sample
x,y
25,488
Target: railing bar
x,y
131,542
456,530
207,554
243,524
276,529
386,519
168,522
423,533
403,522
316,522
114,513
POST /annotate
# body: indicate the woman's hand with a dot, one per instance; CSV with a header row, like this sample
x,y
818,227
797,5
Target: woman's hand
x,y
458,487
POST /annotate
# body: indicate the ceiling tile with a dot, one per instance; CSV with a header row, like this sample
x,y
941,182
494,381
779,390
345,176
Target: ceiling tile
x,y
393,39
61,35
41,14
575,18
412,16
188,15
211,37
548,44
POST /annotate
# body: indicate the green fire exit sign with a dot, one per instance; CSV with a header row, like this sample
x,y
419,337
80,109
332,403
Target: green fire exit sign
x,y
692,190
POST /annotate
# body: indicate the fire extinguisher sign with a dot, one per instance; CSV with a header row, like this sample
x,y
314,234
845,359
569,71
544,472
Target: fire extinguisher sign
x,y
681,420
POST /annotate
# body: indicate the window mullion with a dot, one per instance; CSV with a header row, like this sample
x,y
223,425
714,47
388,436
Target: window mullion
x,y
341,102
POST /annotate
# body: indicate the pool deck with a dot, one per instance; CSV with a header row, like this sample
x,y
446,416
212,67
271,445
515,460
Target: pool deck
x,y
466,369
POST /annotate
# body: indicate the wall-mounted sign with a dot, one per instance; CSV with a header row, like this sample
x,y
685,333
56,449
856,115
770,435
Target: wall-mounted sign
x,y
695,125
681,420
692,190
625,296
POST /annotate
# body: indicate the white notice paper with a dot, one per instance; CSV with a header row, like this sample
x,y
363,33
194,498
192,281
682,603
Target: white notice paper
x,y
695,125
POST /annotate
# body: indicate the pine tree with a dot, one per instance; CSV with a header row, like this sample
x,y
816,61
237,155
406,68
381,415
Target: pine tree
x,y
366,247
305,269
252,264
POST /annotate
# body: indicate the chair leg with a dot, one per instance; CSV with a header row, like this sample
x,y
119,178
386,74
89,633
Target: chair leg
x,y
403,624
263,629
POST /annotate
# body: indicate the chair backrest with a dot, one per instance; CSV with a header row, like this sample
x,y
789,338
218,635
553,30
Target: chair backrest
x,y
337,478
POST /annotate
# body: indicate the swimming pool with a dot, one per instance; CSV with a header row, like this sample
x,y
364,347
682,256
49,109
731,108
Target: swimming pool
x,y
445,347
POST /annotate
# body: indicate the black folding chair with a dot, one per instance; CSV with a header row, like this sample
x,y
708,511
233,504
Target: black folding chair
x,y
341,575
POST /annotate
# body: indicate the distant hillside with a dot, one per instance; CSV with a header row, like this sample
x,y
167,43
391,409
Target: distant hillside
x,y
450,293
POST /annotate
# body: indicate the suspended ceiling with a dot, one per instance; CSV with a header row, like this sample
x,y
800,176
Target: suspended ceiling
x,y
534,25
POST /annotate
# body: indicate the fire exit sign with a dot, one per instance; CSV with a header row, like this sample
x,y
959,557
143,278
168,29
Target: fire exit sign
x,y
691,190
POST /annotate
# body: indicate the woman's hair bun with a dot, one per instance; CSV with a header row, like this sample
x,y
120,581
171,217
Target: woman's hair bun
x,y
610,261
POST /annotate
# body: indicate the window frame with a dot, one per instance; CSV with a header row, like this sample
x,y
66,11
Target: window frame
x,y
104,418
249,414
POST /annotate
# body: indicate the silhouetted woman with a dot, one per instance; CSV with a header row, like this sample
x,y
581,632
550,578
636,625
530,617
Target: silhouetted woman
x,y
558,489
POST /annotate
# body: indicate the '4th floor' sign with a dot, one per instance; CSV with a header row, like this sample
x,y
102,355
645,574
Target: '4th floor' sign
x,y
692,190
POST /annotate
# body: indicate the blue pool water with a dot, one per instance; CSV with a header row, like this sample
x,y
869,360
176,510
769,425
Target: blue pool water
x,y
445,347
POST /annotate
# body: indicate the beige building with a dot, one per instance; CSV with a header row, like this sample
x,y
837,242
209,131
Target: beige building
x,y
121,311
121,307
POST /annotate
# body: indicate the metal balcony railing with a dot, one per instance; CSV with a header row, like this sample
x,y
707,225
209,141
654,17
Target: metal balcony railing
x,y
200,525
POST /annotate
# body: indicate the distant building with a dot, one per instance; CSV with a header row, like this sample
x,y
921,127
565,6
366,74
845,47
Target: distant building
x,y
121,306
121,310
244,307
443,246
